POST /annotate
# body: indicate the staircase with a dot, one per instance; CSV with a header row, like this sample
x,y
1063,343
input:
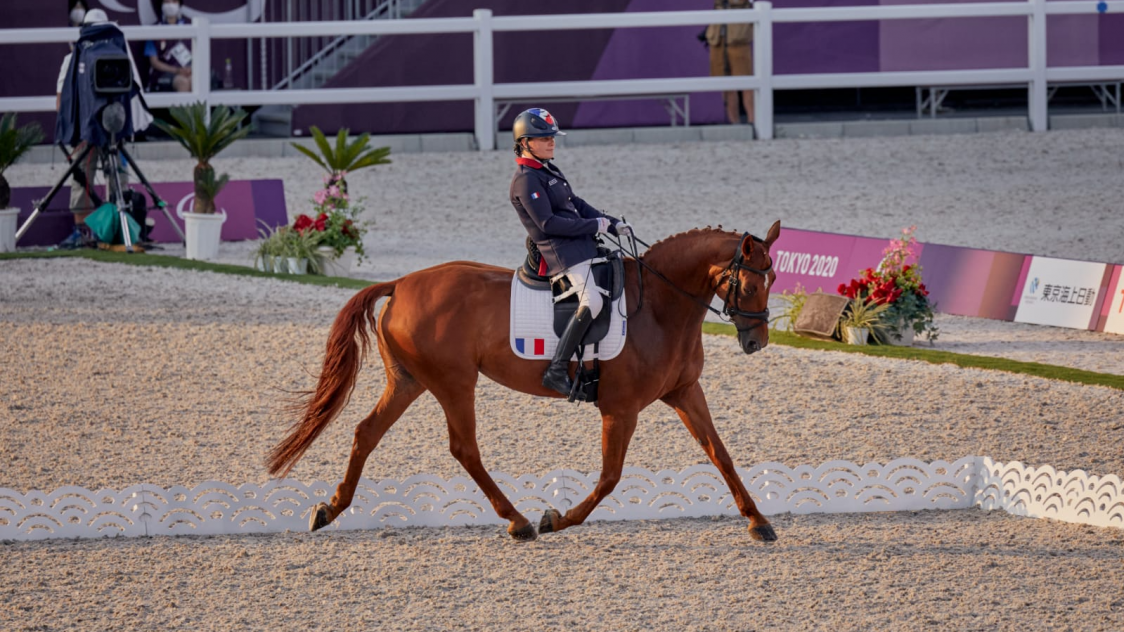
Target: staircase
x,y
308,63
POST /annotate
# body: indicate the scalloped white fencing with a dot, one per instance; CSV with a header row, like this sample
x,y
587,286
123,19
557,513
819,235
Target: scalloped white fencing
x,y
835,487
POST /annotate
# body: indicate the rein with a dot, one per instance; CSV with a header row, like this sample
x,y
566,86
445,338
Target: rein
x,y
730,274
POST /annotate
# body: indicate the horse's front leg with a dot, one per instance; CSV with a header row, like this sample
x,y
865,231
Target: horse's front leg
x,y
690,403
460,413
616,433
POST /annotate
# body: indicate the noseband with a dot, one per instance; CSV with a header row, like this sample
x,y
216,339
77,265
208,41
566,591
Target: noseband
x,y
730,274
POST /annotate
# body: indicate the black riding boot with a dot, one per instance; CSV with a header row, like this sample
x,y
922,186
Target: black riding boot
x,y
557,375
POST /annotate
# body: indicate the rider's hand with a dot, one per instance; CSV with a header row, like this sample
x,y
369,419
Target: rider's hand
x,y
623,229
603,224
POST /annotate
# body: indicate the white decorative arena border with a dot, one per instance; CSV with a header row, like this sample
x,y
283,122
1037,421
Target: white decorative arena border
x,y
835,487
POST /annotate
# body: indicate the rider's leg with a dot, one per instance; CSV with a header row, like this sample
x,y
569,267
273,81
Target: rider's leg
x,y
590,303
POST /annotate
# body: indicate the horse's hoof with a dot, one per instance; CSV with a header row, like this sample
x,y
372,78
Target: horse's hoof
x,y
319,518
549,522
525,534
763,533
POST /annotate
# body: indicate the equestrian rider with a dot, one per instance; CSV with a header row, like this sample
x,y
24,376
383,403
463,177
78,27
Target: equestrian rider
x,y
563,226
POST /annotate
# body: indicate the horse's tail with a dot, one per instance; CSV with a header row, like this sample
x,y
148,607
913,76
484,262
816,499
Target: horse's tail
x,y
342,361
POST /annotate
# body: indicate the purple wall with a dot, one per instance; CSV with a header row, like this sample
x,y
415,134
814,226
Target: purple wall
x,y
893,45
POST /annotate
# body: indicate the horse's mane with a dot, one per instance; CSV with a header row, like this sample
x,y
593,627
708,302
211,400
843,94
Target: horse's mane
x,y
675,243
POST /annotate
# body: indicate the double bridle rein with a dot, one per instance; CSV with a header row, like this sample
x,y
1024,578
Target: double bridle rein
x,y
730,275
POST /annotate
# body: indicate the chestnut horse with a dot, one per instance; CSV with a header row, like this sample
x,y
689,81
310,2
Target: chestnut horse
x,y
444,325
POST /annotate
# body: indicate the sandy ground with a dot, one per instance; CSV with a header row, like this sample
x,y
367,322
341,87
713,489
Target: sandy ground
x,y
114,375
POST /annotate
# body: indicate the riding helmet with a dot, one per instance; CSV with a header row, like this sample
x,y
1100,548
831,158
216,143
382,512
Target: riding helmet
x,y
535,123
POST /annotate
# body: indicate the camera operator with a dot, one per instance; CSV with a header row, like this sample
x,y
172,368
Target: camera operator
x,y
169,61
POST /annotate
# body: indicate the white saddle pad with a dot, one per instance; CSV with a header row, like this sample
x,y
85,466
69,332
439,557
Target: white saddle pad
x,y
532,326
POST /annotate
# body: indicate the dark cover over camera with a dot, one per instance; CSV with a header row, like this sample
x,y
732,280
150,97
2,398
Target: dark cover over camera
x,y
100,73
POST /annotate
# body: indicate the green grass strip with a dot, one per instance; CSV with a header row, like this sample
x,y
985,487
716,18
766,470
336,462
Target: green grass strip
x,y
784,338
164,261
934,356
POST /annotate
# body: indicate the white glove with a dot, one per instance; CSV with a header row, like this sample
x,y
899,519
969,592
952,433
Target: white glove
x,y
602,224
624,229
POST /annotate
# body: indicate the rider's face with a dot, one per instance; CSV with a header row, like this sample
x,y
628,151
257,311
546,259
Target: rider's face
x,y
542,147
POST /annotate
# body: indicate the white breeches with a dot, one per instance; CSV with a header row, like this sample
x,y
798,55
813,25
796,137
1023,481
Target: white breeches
x,y
586,288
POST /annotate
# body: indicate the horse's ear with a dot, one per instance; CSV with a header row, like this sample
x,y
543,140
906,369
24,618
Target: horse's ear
x,y
774,232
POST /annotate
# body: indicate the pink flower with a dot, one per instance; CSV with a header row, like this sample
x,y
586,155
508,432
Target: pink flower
x,y
333,191
320,196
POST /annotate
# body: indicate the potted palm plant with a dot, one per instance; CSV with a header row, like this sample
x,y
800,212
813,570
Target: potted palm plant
x,y
14,143
204,139
861,319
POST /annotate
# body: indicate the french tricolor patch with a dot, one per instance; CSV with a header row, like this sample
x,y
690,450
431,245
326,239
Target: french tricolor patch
x,y
524,345
534,195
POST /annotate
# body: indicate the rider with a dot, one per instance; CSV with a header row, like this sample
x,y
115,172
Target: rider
x,y
563,226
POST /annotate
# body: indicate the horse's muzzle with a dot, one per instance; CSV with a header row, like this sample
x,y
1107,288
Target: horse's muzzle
x,y
749,342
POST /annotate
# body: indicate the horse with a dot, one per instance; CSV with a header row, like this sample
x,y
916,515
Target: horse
x,y
421,337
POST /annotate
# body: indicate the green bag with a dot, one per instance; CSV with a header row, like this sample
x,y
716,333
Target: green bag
x,y
105,223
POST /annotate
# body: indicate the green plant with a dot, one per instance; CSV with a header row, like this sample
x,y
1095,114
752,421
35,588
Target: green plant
x,y
204,139
345,156
14,143
793,305
864,314
300,245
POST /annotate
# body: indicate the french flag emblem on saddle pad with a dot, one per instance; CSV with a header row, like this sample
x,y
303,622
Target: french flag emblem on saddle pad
x,y
532,326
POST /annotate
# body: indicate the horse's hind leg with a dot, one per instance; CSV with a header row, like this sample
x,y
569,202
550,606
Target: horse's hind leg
x,y
690,403
399,394
616,433
460,414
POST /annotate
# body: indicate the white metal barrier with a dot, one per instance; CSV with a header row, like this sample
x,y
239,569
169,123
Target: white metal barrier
x,y
484,91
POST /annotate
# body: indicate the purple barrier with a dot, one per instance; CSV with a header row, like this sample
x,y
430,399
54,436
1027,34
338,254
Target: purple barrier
x,y
1112,309
966,281
244,201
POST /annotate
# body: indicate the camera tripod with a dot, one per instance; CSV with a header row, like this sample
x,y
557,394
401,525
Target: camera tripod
x,y
110,163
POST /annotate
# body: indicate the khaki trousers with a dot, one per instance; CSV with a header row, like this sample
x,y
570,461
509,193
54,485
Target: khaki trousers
x,y
732,60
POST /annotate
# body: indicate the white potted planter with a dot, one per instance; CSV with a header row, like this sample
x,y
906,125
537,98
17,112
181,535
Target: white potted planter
x,y
296,265
203,232
900,337
9,221
342,266
855,335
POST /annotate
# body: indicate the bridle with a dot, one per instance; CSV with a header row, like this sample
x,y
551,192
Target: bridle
x,y
733,281
729,275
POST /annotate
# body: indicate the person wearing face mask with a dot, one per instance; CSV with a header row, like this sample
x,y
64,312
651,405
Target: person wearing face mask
x,y
563,227
169,60
78,10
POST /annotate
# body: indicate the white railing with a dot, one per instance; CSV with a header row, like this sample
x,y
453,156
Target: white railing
x,y
484,91
215,508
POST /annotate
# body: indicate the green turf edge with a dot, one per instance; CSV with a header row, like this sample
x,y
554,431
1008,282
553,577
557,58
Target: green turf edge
x,y
784,338
934,356
164,261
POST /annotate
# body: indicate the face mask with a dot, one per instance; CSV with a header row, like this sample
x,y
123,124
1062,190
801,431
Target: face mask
x,y
171,10
77,15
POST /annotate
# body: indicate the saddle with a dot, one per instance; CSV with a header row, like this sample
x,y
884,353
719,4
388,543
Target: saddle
x,y
607,271
540,311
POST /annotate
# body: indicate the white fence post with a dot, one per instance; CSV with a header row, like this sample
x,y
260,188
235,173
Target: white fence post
x,y
763,69
201,62
482,72
1036,54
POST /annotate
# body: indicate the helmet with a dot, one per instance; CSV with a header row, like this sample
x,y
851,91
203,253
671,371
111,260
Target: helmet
x,y
535,123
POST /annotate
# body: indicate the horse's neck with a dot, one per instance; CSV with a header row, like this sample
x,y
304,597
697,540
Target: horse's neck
x,y
691,268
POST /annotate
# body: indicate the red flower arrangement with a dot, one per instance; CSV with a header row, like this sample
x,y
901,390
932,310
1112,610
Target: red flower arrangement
x,y
898,285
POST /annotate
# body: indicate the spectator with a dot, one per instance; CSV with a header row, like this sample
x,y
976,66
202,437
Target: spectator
x,y
731,53
78,9
169,61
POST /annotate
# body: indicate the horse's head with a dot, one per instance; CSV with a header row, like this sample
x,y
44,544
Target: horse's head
x,y
744,289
